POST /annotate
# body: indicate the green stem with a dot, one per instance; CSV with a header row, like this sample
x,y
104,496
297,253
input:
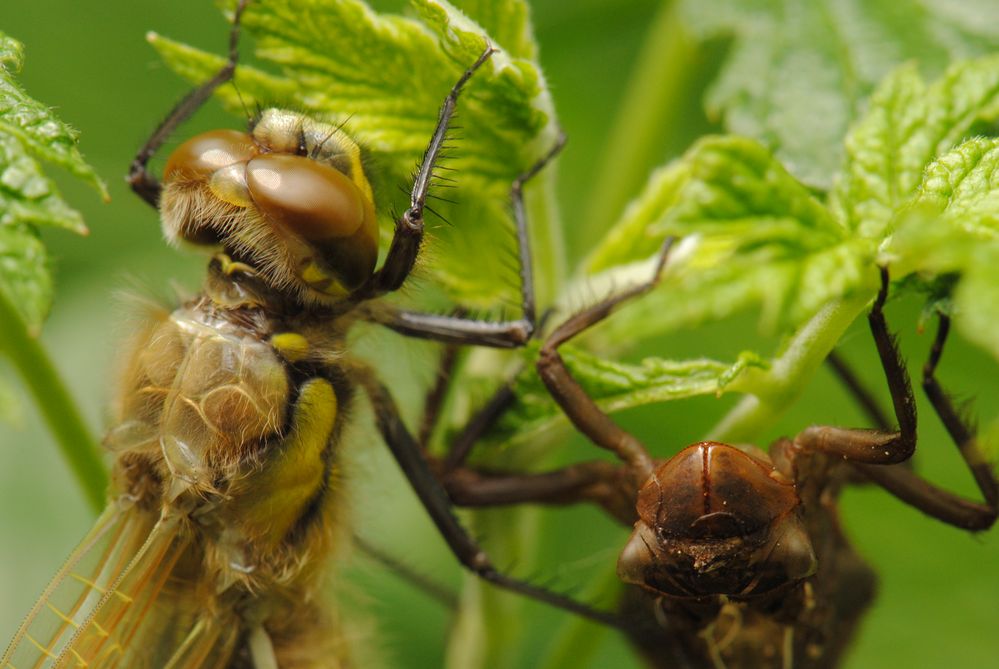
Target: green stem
x,y
54,402
547,239
776,389
650,111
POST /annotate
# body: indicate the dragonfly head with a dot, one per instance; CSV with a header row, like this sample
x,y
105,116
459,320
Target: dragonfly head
x,y
289,198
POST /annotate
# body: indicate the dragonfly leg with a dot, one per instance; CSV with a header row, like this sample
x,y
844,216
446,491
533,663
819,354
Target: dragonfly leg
x,y
566,391
873,446
460,329
603,483
927,497
435,500
408,234
433,401
142,181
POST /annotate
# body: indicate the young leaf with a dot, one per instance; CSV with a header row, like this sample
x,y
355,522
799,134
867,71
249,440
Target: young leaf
x,y
30,133
508,22
951,228
616,386
798,71
752,235
638,233
908,124
385,77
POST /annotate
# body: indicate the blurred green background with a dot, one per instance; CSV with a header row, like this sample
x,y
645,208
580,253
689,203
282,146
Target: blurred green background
x,y
939,601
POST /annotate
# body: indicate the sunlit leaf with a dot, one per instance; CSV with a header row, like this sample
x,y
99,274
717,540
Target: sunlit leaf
x,y
952,229
617,386
798,71
908,124
752,235
31,134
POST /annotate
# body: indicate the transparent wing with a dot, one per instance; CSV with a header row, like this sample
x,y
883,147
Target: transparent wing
x,y
53,614
99,602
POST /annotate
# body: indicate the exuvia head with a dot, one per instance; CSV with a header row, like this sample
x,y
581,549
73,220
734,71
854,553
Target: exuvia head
x,y
715,520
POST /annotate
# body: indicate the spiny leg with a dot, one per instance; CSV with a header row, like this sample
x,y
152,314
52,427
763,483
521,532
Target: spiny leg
x,y
860,393
923,495
608,485
458,329
959,431
408,234
874,446
433,401
577,405
139,178
480,423
435,500
428,586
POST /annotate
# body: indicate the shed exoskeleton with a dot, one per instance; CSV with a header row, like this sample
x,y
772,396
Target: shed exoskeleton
x,y
737,554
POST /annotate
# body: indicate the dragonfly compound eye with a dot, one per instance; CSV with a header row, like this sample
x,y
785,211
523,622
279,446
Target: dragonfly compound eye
x,y
186,205
201,156
324,208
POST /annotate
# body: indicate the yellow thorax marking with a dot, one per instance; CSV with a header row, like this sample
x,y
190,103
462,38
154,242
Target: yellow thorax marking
x,y
291,346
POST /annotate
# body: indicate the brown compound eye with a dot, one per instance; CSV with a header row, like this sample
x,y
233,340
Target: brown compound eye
x,y
324,208
204,154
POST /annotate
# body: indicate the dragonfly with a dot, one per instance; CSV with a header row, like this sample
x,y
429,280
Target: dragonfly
x,y
226,497
737,558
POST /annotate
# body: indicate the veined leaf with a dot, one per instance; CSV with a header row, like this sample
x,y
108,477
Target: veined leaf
x,y
24,274
385,77
755,235
752,234
507,22
799,70
617,386
30,133
952,228
638,233
908,125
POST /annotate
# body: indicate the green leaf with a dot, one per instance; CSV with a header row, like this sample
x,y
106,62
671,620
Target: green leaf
x,y
754,235
39,135
798,70
638,233
11,53
385,77
616,386
751,234
30,133
24,273
508,23
909,124
951,228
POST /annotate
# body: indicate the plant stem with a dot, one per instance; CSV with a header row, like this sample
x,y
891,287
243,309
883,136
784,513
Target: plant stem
x,y
775,390
54,402
648,114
